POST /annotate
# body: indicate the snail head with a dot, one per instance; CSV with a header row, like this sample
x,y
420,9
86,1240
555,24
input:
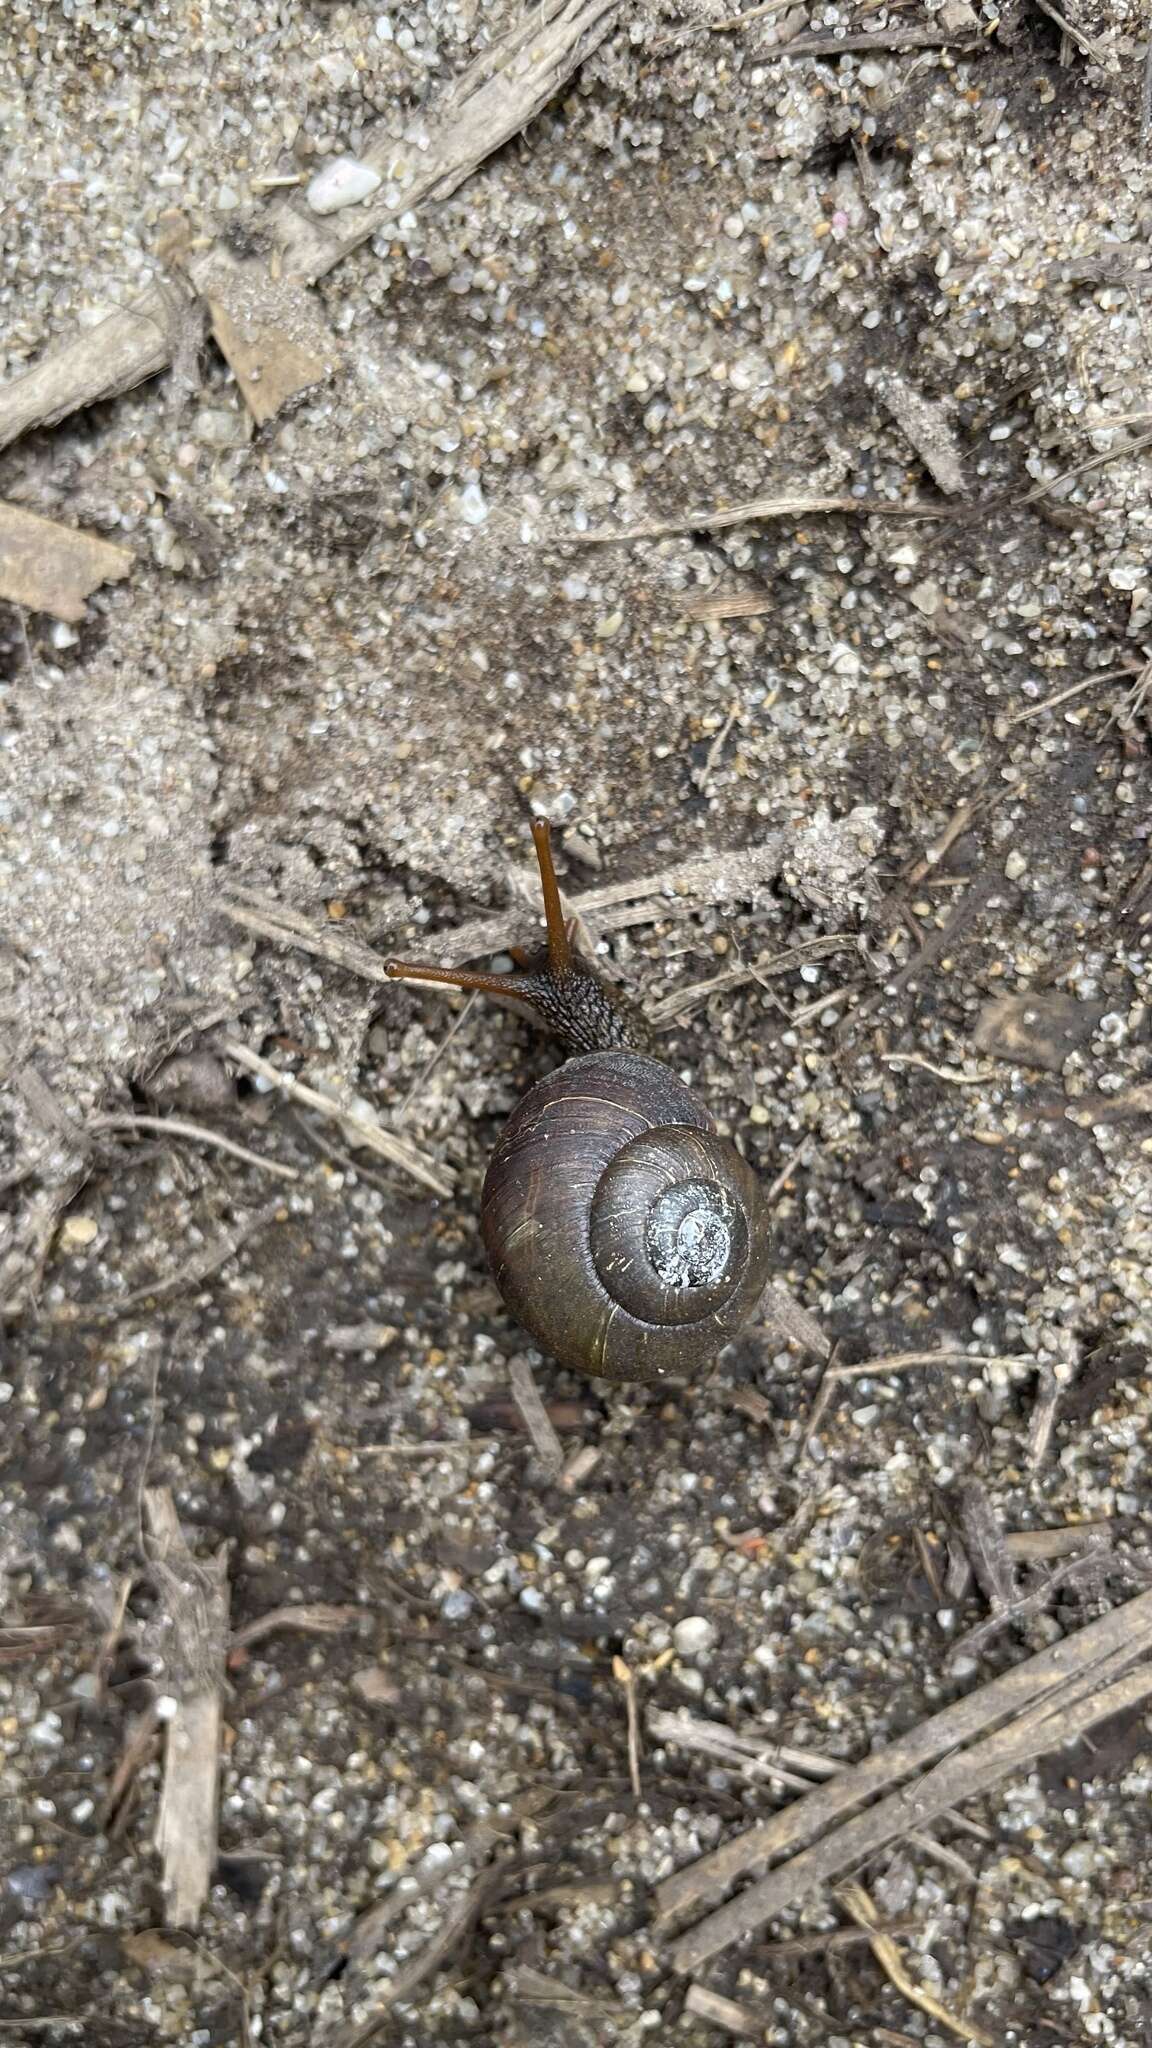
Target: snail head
x,y
553,980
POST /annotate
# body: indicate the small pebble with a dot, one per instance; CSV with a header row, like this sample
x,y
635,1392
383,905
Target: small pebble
x,y
693,1636
342,182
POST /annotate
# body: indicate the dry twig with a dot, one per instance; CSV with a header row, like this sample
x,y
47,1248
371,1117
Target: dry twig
x,y
688,885
714,518
1047,1701
911,1361
313,1619
857,1902
191,1274
360,1129
526,1394
625,1676
1082,41
178,1127
454,1931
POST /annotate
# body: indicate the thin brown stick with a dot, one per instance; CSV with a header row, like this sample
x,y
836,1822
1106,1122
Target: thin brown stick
x,y
1082,41
451,1935
178,1127
799,1945
856,1901
1126,1631
1006,1615
1106,675
679,890
891,39
750,14
138,1747
1068,476
754,1757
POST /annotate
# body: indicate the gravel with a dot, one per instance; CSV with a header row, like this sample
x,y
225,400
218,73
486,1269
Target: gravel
x,y
359,649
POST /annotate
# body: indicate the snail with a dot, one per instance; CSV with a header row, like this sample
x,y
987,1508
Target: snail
x,y
624,1233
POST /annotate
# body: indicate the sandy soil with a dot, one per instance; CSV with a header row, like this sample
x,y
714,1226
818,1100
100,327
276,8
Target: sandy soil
x,y
360,646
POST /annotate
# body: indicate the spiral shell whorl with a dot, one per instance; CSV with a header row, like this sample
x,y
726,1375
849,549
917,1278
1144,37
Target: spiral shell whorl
x,y
622,1231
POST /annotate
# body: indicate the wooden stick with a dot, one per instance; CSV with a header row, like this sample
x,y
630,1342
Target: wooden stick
x,y
1056,1721
194,1611
1125,1633
493,100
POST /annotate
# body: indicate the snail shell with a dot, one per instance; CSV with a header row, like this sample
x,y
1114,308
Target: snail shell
x,y
623,1232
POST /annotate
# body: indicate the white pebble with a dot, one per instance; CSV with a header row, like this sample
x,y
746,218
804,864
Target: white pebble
x,y
693,1636
343,182
473,509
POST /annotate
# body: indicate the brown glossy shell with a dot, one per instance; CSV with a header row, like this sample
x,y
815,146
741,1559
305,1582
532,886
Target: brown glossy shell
x,y
624,1234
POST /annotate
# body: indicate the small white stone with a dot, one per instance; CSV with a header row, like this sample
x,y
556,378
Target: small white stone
x,y
343,182
473,509
693,1636
1015,866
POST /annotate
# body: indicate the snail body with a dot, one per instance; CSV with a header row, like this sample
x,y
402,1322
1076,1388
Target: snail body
x,y
625,1234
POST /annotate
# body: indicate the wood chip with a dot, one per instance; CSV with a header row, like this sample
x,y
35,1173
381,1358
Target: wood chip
x,y
925,426
729,604
271,335
193,1600
703,2004
47,567
1036,1031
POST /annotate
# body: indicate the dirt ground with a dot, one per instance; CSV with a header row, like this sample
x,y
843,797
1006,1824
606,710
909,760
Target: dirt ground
x,y
359,647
